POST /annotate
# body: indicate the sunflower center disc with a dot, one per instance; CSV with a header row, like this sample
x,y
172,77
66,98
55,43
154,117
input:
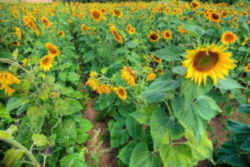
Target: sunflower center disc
x,y
204,61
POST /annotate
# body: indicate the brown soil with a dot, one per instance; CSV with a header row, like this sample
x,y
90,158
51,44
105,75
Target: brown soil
x,y
104,153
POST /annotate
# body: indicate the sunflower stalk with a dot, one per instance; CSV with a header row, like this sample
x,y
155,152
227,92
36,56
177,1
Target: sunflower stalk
x,y
18,145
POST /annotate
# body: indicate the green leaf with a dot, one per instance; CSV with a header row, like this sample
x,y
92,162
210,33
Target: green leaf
x,y
195,29
158,89
228,84
84,124
169,53
118,134
40,140
134,128
125,153
197,114
15,102
12,156
4,114
73,160
36,118
201,150
246,145
67,106
132,44
164,129
179,70
141,156
176,156
244,108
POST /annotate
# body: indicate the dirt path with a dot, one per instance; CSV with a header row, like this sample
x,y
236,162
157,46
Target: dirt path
x,y
95,144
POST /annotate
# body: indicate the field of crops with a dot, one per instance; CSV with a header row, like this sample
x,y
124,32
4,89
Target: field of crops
x,y
129,84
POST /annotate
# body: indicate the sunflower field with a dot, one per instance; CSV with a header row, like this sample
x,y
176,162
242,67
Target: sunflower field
x,y
125,84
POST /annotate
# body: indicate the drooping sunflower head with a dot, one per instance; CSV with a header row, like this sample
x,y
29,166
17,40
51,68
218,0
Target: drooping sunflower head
x,y
46,62
210,61
121,93
96,15
214,17
153,36
52,49
167,34
228,37
46,21
116,35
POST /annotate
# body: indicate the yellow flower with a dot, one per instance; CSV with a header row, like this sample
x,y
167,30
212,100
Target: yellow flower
x,y
46,22
244,42
156,59
46,62
7,79
117,13
210,61
247,68
93,74
195,4
153,36
167,34
228,38
61,34
115,34
29,22
151,76
52,49
214,17
24,62
84,28
121,93
18,33
96,15
128,75
130,29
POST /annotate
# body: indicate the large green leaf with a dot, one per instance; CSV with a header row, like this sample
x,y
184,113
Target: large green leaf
x,y
36,118
169,53
73,160
134,128
67,106
228,84
40,140
118,134
164,128
125,153
141,156
158,89
12,156
244,108
4,114
197,114
15,102
177,156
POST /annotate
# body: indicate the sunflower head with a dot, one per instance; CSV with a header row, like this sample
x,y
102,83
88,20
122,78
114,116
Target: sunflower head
x,y
46,62
151,76
96,15
153,36
214,17
18,33
195,4
167,34
228,38
115,34
117,13
52,49
210,61
121,93
61,34
46,21
247,68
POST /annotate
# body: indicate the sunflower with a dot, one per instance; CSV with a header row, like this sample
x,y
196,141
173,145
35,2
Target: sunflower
x,y
156,59
7,79
46,22
228,38
96,15
84,28
117,13
167,34
244,42
153,36
121,93
213,61
18,33
195,4
151,76
214,17
46,62
130,29
115,34
247,68
61,34
128,75
52,49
